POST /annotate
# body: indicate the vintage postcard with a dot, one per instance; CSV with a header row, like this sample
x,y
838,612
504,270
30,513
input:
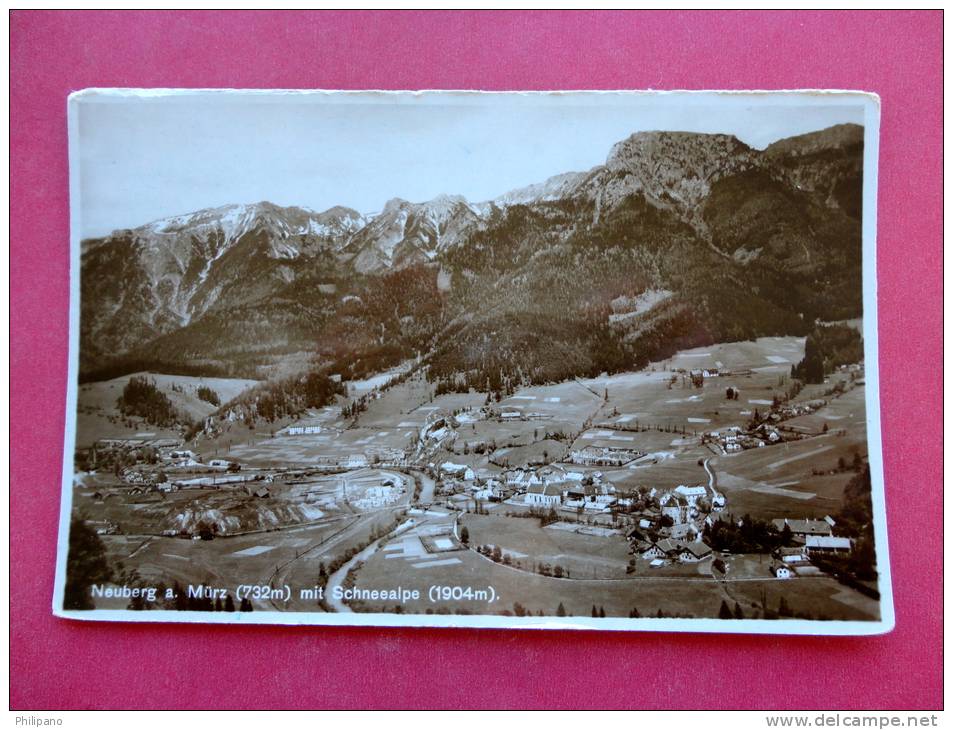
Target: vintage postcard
x,y
600,360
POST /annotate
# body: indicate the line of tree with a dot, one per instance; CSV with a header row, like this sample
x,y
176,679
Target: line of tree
x,y
288,396
826,348
124,366
208,395
750,536
86,565
140,397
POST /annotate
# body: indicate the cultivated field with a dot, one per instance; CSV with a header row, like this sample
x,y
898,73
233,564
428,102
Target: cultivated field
x,y
529,545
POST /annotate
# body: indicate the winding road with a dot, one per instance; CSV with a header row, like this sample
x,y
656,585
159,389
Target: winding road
x,y
712,479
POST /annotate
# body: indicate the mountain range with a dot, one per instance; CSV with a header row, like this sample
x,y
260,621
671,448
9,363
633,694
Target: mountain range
x,y
723,240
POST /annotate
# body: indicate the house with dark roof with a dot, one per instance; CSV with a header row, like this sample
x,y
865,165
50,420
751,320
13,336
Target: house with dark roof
x,y
791,555
694,552
803,528
546,495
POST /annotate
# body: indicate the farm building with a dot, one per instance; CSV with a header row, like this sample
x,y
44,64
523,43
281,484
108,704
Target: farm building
x,y
299,430
603,456
355,461
460,471
694,552
546,495
103,527
671,504
780,571
580,492
691,494
681,531
803,528
490,493
521,479
827,544
791,555
650,551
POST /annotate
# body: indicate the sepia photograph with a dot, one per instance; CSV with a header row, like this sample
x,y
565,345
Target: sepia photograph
x,y
570,360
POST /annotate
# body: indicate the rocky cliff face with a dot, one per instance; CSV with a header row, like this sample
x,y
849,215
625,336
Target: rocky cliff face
x,y
409,233
140,283
705,217
828,163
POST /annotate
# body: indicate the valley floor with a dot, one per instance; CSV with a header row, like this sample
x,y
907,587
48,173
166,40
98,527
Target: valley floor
x,y
539,504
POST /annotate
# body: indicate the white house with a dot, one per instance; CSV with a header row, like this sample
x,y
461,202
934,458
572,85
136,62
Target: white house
x,y
792,555
691,494
804,528
461,471
780,571
681,531
651,551
523,479
672,509
546,495
490,493
298,430
603,456
694,552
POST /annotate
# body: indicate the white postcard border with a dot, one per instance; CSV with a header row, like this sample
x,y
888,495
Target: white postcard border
x,y
871,106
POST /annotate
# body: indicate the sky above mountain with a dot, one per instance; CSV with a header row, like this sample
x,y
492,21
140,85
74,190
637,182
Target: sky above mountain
x,y
148,157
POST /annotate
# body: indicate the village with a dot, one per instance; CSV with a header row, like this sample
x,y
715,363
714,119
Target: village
x,y
625,496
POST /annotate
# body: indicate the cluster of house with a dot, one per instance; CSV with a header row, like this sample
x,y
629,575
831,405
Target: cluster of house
x,y
659,552
164,449
810,537
549,486
793,410
372,455
482,486
681,519
381,495
556,487
814,535
511,414
103,527
683,507
603,456
734,438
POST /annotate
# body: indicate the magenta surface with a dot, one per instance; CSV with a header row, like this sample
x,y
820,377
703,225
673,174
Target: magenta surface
x,y
59,664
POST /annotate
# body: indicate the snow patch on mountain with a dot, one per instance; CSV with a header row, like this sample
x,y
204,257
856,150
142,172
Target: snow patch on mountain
x,y
556,187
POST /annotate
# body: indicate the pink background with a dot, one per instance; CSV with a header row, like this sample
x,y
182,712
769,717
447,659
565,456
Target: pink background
x,y
62,664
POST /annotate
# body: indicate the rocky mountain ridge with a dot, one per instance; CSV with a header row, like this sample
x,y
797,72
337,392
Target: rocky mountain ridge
x,y
195,286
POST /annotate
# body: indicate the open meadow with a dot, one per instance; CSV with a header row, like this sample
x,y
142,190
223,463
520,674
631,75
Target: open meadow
x,y
98,415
